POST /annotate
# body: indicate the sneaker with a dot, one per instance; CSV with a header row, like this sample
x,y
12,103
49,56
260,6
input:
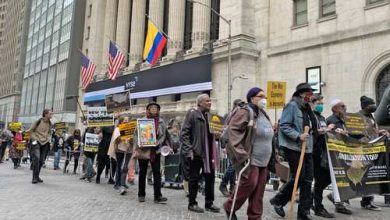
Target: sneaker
x,y
195,208
116,187
212,208
40,180
322,212
370,206
110,181
340,208
122,191
278,208
305,216
224,190
97,181
141,199
34,181
160,200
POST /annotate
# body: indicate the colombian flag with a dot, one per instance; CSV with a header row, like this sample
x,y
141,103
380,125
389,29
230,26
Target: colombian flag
x,y
154,44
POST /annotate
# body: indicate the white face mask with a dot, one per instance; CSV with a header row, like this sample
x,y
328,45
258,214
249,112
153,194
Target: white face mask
x,y
262,103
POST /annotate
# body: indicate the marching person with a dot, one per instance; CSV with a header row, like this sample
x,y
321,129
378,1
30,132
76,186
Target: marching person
x,y
229,177
297,114
199,152
103,160
40,138
89,155
250,141
73,146
120,150
152,155
320,158
14,153
58,145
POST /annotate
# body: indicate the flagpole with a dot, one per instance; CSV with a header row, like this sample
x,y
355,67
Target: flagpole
x,y
159,29
115,43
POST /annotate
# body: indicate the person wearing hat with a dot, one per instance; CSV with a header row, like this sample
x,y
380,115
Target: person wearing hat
x,y
320,157
250,140
151,154
198,151
296,115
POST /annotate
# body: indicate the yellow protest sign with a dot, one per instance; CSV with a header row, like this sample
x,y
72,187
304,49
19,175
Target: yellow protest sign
x,y
21,145
14,126
127,130
276,94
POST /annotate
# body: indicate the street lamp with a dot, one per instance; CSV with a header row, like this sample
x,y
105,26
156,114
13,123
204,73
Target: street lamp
x,y
229,45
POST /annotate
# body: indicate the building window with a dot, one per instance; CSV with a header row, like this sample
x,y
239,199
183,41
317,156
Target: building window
x,y
370,2
88,32
90,11
328,7
214,24
165,24
176,97
188,25
300,12
382,83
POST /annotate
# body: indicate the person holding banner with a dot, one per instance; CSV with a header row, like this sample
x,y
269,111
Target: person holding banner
x,y
73,149
151,154
103,160
320,158
40,143
90,152
120,149
199,152
296,115
17,147
250,141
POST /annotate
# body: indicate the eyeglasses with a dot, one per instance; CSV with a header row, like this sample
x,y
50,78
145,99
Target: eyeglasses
x,y
261,96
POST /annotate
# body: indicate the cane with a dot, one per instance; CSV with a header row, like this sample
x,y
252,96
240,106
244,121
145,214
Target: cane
x,y
238,184
303,148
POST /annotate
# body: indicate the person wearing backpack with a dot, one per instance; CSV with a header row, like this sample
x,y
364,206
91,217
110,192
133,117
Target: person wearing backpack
x,y
40,143
250,134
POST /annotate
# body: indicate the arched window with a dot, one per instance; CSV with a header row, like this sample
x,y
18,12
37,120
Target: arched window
x,y
382,82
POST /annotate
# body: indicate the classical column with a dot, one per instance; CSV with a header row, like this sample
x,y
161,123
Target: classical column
x,y
176,26
97,34
201,24
137,32
123,26
156,12
109,28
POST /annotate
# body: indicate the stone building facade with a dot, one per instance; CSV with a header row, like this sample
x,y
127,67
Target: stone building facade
x,y
278,40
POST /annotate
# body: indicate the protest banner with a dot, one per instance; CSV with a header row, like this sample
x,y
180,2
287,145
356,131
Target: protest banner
x,y
215,124
354,123
26,136
276,94
146,133
98,117
14,126
127,130
91,142
60,126
118,102
358,168
21,145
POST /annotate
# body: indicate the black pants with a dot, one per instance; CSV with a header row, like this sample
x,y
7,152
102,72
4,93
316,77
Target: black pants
x,y
195,166
304,183
38,153
143,168
122,164
113,169
321,181
3,148
16,161
68,158
103,161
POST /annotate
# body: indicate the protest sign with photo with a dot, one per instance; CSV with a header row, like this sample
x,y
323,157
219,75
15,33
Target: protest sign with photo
x,y
359,168
215,124
127,130
146,133
98,117
91,142
118,101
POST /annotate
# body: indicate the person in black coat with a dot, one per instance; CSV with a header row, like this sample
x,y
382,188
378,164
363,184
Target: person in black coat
x,y
103,160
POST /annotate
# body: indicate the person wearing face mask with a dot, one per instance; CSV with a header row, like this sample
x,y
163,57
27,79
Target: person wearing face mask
x,y
253,143
152,155
320,158
14,153
296,115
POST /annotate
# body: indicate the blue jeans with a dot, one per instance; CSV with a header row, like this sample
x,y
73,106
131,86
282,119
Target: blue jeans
x,y
89,167
57,157
230,175
122,162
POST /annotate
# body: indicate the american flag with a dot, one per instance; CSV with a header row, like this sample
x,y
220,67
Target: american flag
x,y
115,58
87,70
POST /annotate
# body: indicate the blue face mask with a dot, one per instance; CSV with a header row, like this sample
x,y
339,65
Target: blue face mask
x,y
319,108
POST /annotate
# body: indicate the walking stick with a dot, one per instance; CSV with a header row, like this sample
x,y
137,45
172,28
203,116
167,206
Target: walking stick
x,y
298,173
238,184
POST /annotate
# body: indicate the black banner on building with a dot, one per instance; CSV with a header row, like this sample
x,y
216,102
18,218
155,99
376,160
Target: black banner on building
x,y
359,168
